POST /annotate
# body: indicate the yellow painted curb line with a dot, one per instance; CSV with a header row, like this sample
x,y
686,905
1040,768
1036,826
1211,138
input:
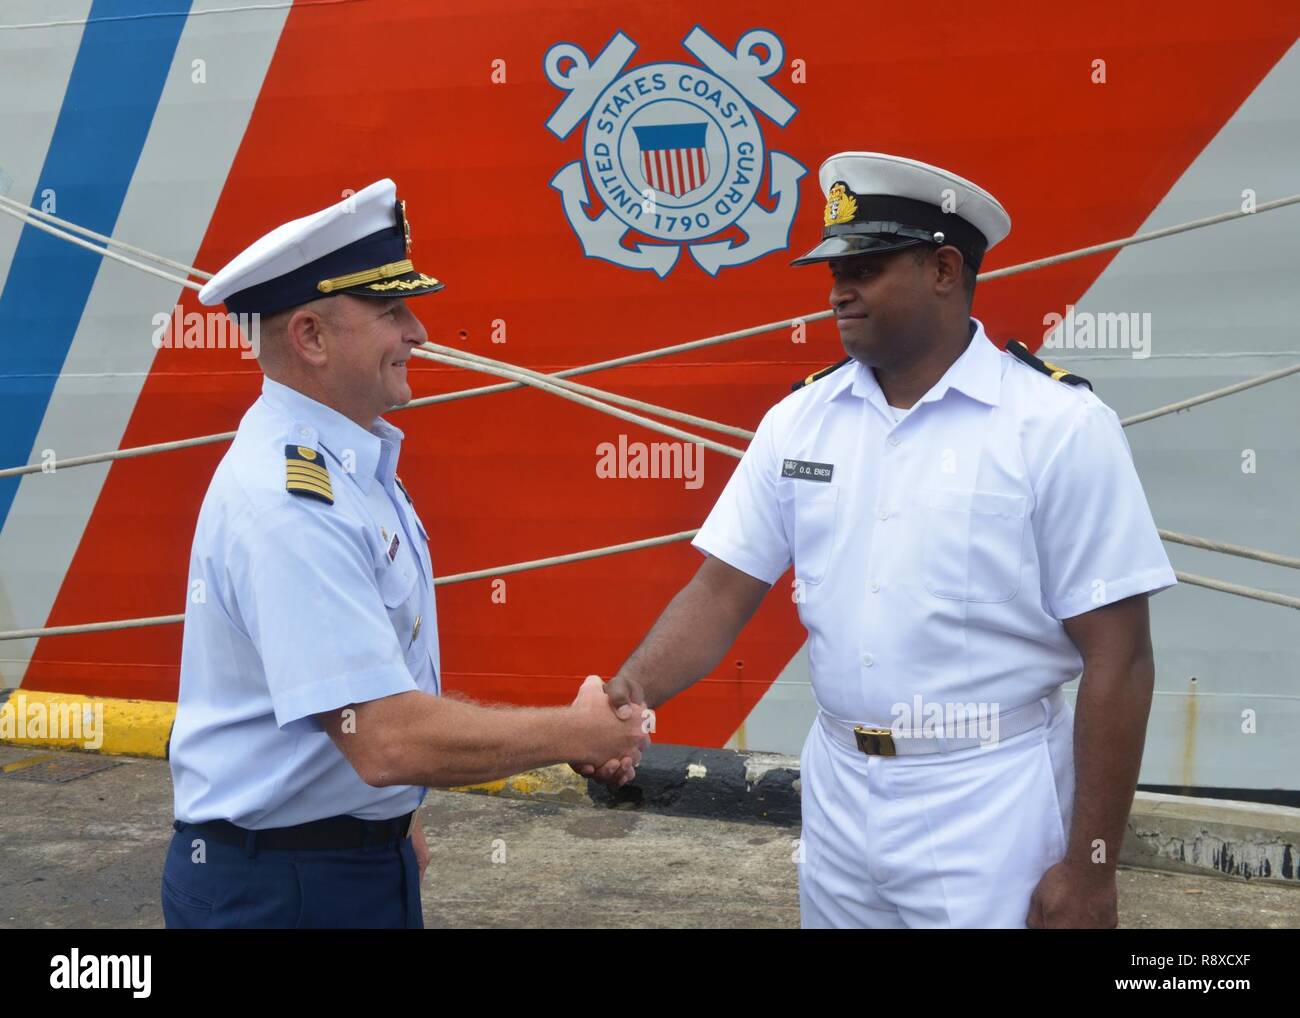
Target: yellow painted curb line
x,y
558,783
114,727
96,724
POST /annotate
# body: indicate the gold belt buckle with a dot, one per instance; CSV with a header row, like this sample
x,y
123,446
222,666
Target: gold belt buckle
x,y
874,741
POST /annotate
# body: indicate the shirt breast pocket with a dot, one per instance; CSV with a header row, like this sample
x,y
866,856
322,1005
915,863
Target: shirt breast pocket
x,y
808,513
973,544
398,589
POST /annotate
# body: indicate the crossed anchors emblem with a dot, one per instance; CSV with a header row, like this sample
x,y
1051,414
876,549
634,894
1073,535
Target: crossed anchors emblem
x,y
675,151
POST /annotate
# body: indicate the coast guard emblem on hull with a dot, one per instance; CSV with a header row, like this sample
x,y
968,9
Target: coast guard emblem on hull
x,y
675,152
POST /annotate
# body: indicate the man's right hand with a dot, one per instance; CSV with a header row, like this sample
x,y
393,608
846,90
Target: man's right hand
x,y
612,736
624,692
625,698
687,642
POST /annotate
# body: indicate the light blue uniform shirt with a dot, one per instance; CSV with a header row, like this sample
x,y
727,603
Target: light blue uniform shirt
x,y
297,607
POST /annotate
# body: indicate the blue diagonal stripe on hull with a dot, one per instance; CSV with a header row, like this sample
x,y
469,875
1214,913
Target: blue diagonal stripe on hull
x,y
112,94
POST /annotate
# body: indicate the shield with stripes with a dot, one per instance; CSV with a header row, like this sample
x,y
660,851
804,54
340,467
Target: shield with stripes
x,y
673,158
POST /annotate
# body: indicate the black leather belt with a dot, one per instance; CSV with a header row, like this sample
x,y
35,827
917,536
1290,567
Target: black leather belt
x,y
345,832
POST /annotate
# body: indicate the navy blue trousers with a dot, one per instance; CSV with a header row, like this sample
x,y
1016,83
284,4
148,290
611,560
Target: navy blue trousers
x,y
233,887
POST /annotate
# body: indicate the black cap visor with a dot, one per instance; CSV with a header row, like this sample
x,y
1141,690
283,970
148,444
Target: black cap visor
x,y
846,245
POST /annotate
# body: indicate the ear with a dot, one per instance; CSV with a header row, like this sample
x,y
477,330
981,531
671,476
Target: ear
x,y
948,265
304,332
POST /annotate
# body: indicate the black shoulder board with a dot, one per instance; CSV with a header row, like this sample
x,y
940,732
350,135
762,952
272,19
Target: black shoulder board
x,y
1020,352
819,374
305,474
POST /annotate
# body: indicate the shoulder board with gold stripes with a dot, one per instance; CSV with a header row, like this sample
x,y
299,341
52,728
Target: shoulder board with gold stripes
x,y
404,491
1020,352
305,474
819,374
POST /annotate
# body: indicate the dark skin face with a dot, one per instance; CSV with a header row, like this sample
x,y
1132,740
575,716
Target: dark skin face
x,y
904,317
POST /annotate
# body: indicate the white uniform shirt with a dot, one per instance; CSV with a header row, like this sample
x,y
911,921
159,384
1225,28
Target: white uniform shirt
x,y
938,554
297,607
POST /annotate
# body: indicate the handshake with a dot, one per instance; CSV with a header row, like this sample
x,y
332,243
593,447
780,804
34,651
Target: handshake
x,y
614,728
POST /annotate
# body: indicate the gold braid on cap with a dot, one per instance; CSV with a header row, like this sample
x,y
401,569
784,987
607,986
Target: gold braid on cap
x,y
405,284
366,276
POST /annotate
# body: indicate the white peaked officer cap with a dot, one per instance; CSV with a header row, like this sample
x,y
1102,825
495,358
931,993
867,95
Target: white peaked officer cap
x,y
877,202
360,246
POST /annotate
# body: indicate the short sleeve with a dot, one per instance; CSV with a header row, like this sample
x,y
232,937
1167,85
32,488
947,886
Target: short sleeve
x,y
311,604
1097,542
744,528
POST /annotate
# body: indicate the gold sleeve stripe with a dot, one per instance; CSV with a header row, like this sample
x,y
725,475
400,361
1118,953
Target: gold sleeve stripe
x,y
306,468
302,475
310,484
312,488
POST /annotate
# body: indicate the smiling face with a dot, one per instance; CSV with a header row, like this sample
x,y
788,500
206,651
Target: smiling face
x,y
350,353
368,343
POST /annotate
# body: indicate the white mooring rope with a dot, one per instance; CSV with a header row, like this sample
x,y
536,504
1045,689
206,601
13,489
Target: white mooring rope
x,y
610,403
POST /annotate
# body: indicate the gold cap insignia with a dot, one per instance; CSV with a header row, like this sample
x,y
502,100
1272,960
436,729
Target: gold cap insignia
x,y
841,206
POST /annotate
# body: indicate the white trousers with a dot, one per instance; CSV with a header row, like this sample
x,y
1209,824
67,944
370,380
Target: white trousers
x,y
956,840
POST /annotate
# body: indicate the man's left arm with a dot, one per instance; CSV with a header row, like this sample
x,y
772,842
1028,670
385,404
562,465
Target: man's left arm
x,y
1100,558
1110,724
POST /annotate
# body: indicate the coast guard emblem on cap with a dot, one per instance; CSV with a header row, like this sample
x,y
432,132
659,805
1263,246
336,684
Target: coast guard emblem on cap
x,y
675,151
305,474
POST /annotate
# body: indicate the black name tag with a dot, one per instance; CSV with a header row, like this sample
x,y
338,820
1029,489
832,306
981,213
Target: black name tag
x,y
806,471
